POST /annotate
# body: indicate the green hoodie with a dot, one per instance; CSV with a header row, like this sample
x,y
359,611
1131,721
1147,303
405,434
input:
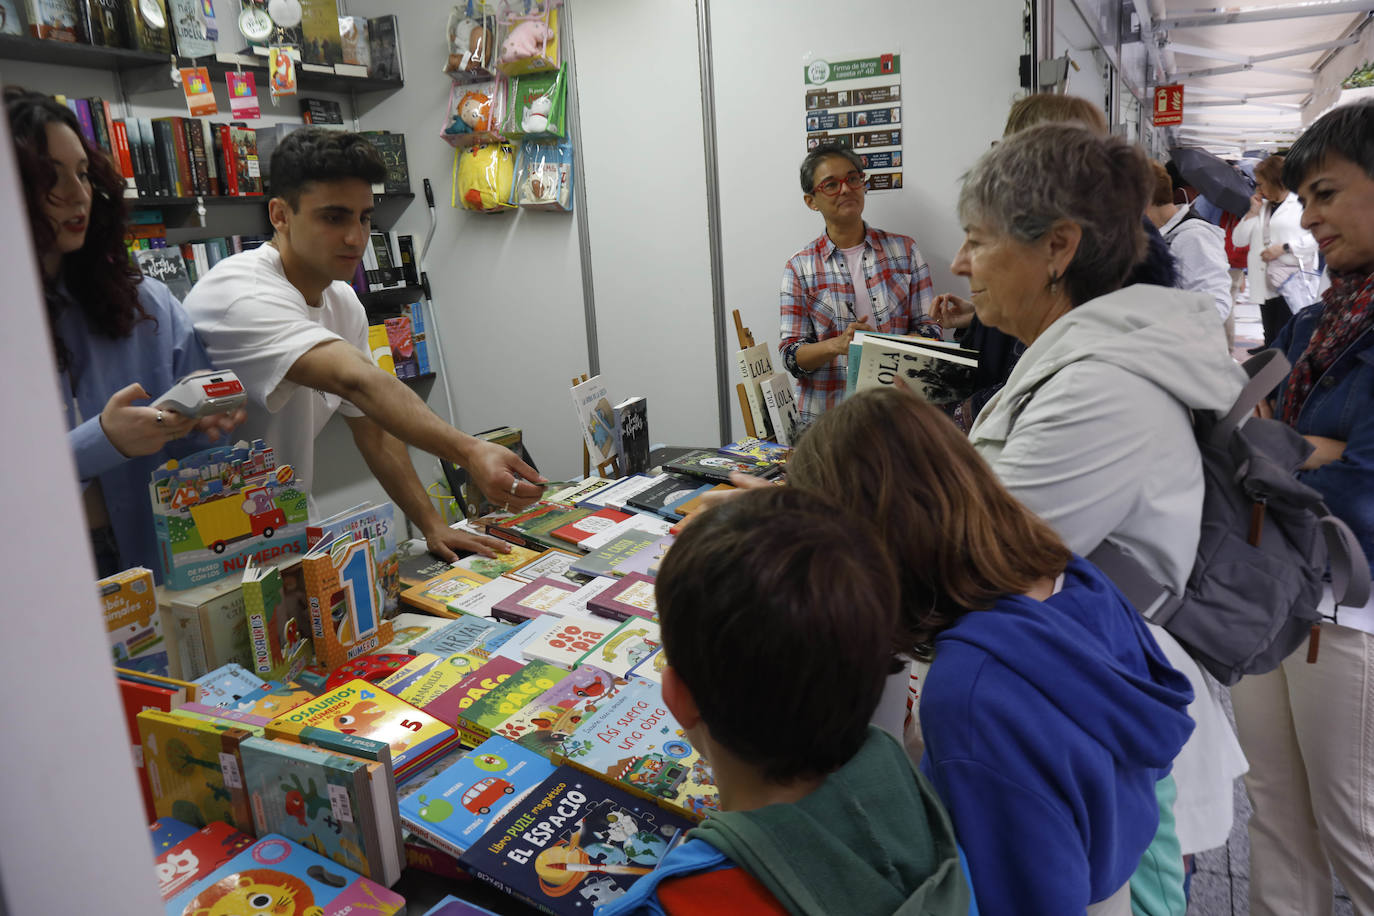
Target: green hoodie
x,y
873,839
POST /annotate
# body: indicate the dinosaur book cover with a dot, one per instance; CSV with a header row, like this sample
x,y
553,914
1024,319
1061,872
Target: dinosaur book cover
x,y
361,708
574,843
335,804
193,769
457,806
277,876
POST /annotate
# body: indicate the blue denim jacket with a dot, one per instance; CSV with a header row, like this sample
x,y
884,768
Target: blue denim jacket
x,y
1341,406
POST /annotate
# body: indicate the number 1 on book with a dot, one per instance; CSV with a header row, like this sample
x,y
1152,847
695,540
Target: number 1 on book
x,y
357,576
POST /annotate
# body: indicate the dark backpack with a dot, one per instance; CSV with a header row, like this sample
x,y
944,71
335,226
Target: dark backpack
x,y
1266,544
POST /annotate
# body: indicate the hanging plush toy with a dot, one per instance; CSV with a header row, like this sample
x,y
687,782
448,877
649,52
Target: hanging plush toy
x,y
469,46
485,177
526,39
536,117
473,114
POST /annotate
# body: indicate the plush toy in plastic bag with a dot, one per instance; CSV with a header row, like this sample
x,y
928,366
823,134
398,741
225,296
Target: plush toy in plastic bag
x,y
544,175
472,113
529,41
483,177
471,42
536,105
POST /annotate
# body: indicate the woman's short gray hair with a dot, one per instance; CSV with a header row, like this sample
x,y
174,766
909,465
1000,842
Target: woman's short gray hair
x,y
1056,171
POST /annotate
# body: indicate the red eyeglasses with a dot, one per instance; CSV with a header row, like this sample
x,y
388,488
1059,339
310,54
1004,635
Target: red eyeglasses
x,y
831,186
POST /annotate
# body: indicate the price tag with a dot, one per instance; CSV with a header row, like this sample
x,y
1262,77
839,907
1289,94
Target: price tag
x,y
230,768
338,801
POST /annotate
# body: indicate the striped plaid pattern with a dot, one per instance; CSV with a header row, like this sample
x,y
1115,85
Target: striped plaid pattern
x,y
818,302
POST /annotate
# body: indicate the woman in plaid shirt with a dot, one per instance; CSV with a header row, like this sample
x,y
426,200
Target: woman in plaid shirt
x,y
822,301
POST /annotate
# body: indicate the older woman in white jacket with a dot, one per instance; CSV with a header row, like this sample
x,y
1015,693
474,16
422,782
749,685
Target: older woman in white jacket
x,y
1279,249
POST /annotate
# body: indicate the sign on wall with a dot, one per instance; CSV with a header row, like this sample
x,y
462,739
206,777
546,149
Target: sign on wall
x,y
858,104
1168,105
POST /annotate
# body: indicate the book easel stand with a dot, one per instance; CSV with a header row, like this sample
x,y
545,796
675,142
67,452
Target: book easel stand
x,y
746,340
610,464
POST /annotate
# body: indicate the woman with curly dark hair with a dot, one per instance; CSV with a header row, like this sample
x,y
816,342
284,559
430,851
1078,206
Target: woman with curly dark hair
x,y
119,338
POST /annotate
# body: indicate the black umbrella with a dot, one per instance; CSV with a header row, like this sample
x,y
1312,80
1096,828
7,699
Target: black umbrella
x,y
1215,178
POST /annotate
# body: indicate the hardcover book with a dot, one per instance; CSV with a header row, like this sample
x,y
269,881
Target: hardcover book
x,y
147,24
278,637
522,635
193,768
478,721
502,563
104,23
567,641
455,807
346,600
384,48
479,601
596,419
540,596
756,364
434,596
335,804
420,566
638,521
377,523
599,520
696,504
427,677
939,374
54,20
712,466
781,402
651,668
132,621
243,149
604,561
450,705
633,740
632,596
180,864
577,491
669,490
320,39
408,627
632,435
614,496
283,873
548,719
270,700
757,449
360,708
392,147
552,564
628,645
188,22
645,561
228,683
573,843
354,46
466,633
534,527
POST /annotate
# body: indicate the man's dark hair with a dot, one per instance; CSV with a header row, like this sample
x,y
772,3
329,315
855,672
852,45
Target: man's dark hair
x,y
316,154
1347,131
814,158
779,613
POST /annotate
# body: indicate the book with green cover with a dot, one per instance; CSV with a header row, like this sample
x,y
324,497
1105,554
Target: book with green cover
x,y
603,561
478,721
277,637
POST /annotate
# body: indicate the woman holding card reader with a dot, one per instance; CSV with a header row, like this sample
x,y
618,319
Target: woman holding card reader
x,y
119,337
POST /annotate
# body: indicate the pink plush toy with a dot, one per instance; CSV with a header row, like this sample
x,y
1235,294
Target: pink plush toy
x,y
525,40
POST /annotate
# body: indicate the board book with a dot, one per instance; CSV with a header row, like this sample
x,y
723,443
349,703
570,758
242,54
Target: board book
x,y
279,638
434,595
275,869
335,804
548,719
361,708
629,644
569,639
477,722
346,600
377,523
635,742
193,768
454,808
191,858
574,843
132,621
542,596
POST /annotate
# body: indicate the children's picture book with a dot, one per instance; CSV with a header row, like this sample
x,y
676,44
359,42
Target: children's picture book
x,y
651,668
632,435
698,502
192,856
633,740
408,627
534,527
377,523
628,645
547,720
53,20
596,419
132,621
935,371
552,563
574,843
361,708
491,567
136,695
541,596
346,600
598,520
216,508
756,364
276,871
523,635
632,596
638,521
271,699
336,804
477,722
606,560
579,491
419,566
279,638
434,596
479,601
567,641
781,402
457,806
576,603
758,449
449,705
227,684
193,769
466,633
646,560
166,832
452,906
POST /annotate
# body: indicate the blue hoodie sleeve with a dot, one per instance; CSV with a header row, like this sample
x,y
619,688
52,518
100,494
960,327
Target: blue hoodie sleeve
x,y
996,821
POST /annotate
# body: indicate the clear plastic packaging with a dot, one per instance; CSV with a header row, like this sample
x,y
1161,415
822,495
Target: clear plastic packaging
x,y
483,177
528,36
544,174
471,42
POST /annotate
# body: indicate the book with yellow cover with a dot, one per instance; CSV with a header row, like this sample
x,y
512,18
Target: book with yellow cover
x,y
434,595
359,707
194,769
132,621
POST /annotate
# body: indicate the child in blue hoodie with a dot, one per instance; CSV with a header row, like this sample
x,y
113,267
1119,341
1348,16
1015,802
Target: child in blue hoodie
x,y
778,613
1049,712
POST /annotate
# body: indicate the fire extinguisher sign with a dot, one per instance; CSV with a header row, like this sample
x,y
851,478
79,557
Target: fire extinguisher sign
x,y
1168,105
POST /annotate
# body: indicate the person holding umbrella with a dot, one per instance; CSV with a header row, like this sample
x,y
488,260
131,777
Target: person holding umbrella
x,y
1282,253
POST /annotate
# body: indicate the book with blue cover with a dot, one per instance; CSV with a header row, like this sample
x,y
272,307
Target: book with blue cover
x,y
464,634
455,808
290,878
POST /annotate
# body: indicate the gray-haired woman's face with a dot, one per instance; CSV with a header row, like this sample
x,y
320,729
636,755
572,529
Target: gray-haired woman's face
x,y
1007,279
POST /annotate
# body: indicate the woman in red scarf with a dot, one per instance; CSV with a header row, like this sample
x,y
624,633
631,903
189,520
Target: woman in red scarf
x,y
1308,728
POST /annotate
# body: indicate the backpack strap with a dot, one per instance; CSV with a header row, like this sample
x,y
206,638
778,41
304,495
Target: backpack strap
x,y
1350,582
1155,603
1266,370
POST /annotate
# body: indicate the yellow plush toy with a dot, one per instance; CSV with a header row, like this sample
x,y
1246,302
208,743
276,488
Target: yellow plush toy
x,y
484,177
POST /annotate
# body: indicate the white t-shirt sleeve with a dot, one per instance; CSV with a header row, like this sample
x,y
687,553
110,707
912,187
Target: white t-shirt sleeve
x,y
350,320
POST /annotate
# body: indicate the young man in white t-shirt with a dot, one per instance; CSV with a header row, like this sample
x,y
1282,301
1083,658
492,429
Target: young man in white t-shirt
x,y
285,320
